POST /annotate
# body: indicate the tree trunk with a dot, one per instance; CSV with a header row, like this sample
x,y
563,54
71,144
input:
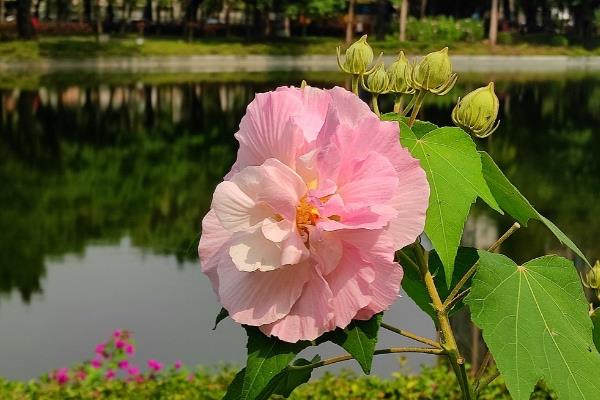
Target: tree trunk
x,y
189,18
423,8
87,11
381,19
350,21
1,11
493,34
148,11
36,8
403,18
98,18
24,25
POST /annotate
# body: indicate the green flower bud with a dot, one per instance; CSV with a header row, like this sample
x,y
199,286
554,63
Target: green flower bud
x,y
397,74
358,57
476,113
592,277
433,73
378,81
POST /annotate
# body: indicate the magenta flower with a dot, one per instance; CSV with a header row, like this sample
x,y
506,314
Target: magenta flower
x,y
178,364
133,371
110,374
129,349
61,376
155,365
117,333
96,363
100,349
81,375
301,235
123,364
119,344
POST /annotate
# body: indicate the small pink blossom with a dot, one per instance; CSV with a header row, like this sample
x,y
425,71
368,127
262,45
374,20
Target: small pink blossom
x,y
110,374
133,371
123,364
301,235
119,344
178,364
61,376
117,333
81,375
129,349
100,348
155,365
96,363
139,379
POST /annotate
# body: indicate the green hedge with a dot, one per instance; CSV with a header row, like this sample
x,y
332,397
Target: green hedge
x,y
444,29
432,383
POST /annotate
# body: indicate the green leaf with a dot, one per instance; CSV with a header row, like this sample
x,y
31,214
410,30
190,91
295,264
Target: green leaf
x,y
220,317
234,391
596,322
514,203
419,128
415,288
289,379
267,357
359,339
453,168
535,322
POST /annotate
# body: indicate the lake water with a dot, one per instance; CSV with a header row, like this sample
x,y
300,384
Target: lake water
x,y
105,178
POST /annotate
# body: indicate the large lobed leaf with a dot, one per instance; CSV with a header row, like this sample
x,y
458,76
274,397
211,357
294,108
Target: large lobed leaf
x,y
267,358
514,203
535,322
453,167
359,339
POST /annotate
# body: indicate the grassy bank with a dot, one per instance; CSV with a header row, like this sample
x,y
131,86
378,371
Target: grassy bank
x,y
78,47
432,383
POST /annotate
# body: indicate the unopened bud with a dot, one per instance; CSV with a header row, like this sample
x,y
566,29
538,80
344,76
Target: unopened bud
x,y
358,57
592,277
397,75
476,113
434,73
378,80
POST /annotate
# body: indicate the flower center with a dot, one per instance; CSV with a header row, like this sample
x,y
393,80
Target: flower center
x,y
306,214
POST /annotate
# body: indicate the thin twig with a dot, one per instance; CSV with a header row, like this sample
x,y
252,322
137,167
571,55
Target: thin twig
x,y
456,299
391,350
481,370
486,382
409,261
411,335
473,269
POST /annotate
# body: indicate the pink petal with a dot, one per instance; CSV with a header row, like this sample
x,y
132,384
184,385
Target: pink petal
x,y
212,241
311,316
326,248
385,289
411,201
258,298
251,251
235,209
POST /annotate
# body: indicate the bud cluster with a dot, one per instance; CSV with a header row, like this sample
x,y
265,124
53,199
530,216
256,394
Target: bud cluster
x,y
476,113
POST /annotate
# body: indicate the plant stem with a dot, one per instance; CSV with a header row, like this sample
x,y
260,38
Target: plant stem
x,y
418,103
375,104
355,84
391,350
446,334
411,335
473,269
398,103
487,381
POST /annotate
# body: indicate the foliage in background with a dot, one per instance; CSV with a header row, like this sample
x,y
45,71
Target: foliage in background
x,y
444,29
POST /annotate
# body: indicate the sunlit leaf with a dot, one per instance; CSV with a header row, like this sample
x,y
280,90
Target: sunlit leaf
x,y
359,339
267,357
453,168
419,128
514,203
286,381
596,321
535,322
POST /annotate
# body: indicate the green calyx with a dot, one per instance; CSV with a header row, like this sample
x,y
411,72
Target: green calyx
x,y
433,73
476,113
398,73
591,279
378,81
358,57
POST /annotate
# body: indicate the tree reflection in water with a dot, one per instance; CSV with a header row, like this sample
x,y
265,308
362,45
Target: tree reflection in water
x,y
87,160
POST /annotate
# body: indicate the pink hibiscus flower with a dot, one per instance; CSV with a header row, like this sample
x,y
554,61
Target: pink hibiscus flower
x,y
301,235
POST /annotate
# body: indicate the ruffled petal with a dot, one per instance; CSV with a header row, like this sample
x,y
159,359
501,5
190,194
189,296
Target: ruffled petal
x,y
251,251
212,242
235,209
258,298
310,317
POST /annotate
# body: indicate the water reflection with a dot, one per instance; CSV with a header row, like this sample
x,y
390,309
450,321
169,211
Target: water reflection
x,y
88,159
